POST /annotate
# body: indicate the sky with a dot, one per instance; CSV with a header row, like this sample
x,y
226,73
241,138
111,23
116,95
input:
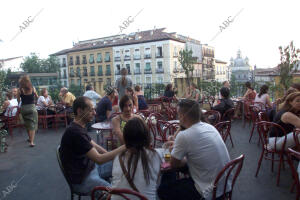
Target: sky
x,y
50,26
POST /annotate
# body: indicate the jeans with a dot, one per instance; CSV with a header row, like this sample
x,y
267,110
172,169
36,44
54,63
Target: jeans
x,y
97,177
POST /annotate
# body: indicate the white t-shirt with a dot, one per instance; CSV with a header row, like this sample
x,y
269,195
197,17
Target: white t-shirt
x,y
40,105
94,96
119,180
206,156
262,99
12,103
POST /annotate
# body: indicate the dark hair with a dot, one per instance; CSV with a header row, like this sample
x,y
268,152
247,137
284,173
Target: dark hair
x,y
286,105
224,82
89,87
137,139
225,92
124,100
248,85
168,87
9,95
25,83
80,102
191,109
129,89
137,88
296,86
263,90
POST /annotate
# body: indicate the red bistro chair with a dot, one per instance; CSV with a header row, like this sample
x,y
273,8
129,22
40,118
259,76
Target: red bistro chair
x,y
264,129
295,154
43,118
212,117
254,110
12,120
228,115
116,192
152,122
228,171
154,108
224,130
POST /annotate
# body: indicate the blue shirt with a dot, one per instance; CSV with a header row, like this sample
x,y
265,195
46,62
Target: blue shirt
x,y
103,106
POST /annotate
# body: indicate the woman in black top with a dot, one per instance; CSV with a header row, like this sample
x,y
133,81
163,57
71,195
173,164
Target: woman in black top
x,y
169,92
288,119
26,94
225,103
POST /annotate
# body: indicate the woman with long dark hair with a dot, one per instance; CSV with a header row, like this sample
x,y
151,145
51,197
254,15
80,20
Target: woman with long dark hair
x,y
29,113
142,104
250,93
123,82
263,97
138,167
129,91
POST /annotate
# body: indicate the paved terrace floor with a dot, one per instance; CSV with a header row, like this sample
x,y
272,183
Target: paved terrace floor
x,y
41,178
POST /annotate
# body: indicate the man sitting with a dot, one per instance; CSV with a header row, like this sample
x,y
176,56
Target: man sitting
x,y
79,152
226,103
104,107
201,147
67,97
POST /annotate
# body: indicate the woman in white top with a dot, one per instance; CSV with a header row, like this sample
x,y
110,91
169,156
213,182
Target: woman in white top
x,y
263,97
9,104
44,101
140,161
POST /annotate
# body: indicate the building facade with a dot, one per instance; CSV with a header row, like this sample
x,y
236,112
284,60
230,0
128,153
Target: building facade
x,y
63,70
241,68
208,57
221,71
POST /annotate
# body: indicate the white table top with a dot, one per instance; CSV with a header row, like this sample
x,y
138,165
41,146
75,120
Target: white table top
x,y
102,126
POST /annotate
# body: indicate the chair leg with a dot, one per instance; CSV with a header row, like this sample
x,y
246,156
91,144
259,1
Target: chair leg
x,y
252,131
259,162
72,196
272,167
279,169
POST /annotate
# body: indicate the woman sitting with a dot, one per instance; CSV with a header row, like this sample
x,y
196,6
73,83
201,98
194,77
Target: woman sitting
x,y
288,119
8,105
138,167
169,91
194,93
142,104
263,97
129,91
250,93
43,103
119,122
226,103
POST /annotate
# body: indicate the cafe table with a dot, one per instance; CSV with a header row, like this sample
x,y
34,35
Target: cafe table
x,y
101,127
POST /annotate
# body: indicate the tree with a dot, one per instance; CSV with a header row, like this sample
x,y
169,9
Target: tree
x,y
33,64
187,62
289,60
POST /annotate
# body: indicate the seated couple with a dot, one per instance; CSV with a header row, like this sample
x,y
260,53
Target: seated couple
x,y
79,154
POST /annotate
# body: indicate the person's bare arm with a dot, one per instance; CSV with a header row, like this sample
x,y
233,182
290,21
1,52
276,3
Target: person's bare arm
x,y
136,102
35,93
291,118
117,129
94,155
268,103
246,94
98,147
175,163
108,114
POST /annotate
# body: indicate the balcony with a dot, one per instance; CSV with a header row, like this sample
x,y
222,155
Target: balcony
x,y
117,72
92,73
127,58
107,73
159,70
84,62
159,55
85,74
92,61
77,62
100,74
175,70
63,65
137,57
137,71
107,60
148,71
118,58
71,62
147,56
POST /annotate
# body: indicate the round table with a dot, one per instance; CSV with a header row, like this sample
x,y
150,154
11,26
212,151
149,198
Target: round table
x,y
101,127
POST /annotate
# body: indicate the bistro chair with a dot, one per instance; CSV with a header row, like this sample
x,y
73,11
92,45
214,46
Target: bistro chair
x,y
254,110
12,120
264,129
212,117
228,115
224,130
108,192
153,126
291,155
44,118
67,178
230,171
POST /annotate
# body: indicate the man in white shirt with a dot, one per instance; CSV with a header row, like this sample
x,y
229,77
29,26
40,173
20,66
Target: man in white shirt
x,y
200,146
92,95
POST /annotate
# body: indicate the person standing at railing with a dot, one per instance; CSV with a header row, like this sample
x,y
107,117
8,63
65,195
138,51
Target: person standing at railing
x,y
194,93
92,95
142,104
123,82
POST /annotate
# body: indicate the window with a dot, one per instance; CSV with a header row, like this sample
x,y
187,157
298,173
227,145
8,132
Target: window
x,y
138,80
107,57
85,71
100,72
71,60
148,67
137,69
147,53
107,73
137,54
118,68
159,67
72,82
92,71
78,72
77,60
64,62
84,59
100,80
92,58
85,80
72,74
160,80
127,55
108,81
65,83
117,56
159,52
148,80
65,73
128,68
78,82
99,58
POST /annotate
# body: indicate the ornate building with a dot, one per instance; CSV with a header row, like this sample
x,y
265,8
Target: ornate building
x,y
240,68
